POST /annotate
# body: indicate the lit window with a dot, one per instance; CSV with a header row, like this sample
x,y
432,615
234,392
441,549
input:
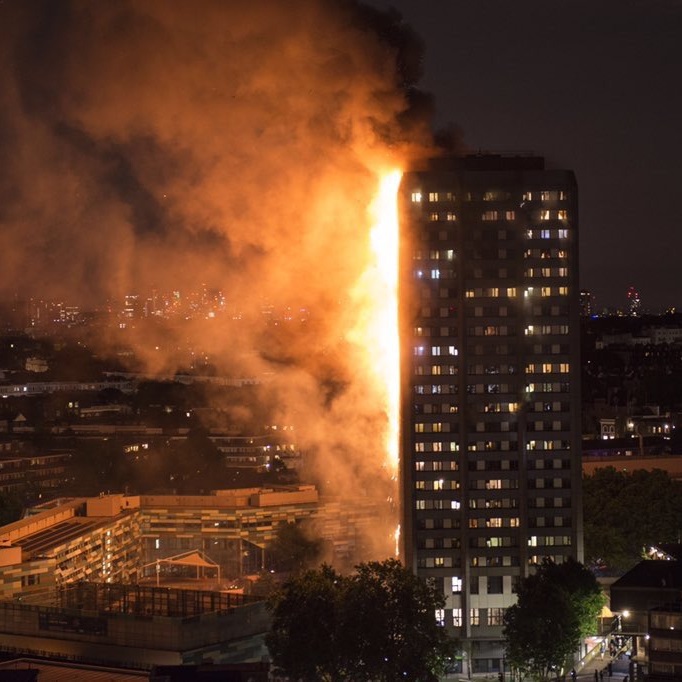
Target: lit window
x,y
416,197
495,616
456,584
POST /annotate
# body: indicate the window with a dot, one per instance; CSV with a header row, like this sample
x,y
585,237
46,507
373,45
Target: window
x,y
440,617
495,584
457,618
474,616
456,584
495,616
416,197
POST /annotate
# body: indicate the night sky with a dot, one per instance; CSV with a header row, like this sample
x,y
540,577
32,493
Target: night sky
x,y
592,85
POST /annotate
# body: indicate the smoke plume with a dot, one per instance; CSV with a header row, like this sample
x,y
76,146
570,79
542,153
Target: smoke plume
x,y
162,145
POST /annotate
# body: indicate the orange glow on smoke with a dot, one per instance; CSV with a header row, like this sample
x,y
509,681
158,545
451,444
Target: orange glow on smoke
x,y
381,334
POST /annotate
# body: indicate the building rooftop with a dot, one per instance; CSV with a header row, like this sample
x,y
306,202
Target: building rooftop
x,y
52,671
652,573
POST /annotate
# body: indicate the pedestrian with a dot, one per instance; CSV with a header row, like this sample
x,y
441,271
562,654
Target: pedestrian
x,y
609,668
596,676
601,676
573,674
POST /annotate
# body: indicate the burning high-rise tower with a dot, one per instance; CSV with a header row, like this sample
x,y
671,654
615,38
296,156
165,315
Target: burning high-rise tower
x,y
491,432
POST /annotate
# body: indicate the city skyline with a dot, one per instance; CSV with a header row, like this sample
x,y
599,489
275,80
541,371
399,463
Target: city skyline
x,y
590,87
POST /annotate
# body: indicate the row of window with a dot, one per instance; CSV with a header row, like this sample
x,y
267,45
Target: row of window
x,y
435,254
490,292
546,272
548,387
447,216
548,445
428,523
438,543
507,215
437,504
436,273
489,427
493,464
547,368
494,522
488,216
435,408
439,484
531,233
549,483
436,465
543,254
417,196
436,350
547,233
552,329
435,370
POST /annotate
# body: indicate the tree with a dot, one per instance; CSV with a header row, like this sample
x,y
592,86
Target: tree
x,y
626,512
292,549
556,607
306,624
375,625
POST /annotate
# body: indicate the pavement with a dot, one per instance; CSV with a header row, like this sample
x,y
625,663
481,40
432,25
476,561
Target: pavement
x,y
620,667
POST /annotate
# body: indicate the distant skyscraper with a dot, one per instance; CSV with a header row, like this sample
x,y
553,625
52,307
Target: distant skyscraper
x,y
491,469
634,303
586,303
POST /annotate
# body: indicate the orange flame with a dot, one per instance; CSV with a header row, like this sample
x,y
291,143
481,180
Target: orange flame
x,y
385,242
376,330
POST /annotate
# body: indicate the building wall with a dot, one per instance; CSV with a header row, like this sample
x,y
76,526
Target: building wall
x,y
491,431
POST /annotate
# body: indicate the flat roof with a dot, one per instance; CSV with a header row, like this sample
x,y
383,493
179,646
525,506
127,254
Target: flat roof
x,y
41,542
53,671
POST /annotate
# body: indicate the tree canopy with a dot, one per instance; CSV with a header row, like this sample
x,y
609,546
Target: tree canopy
x,y
557,606
624,512
375,625
293,549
